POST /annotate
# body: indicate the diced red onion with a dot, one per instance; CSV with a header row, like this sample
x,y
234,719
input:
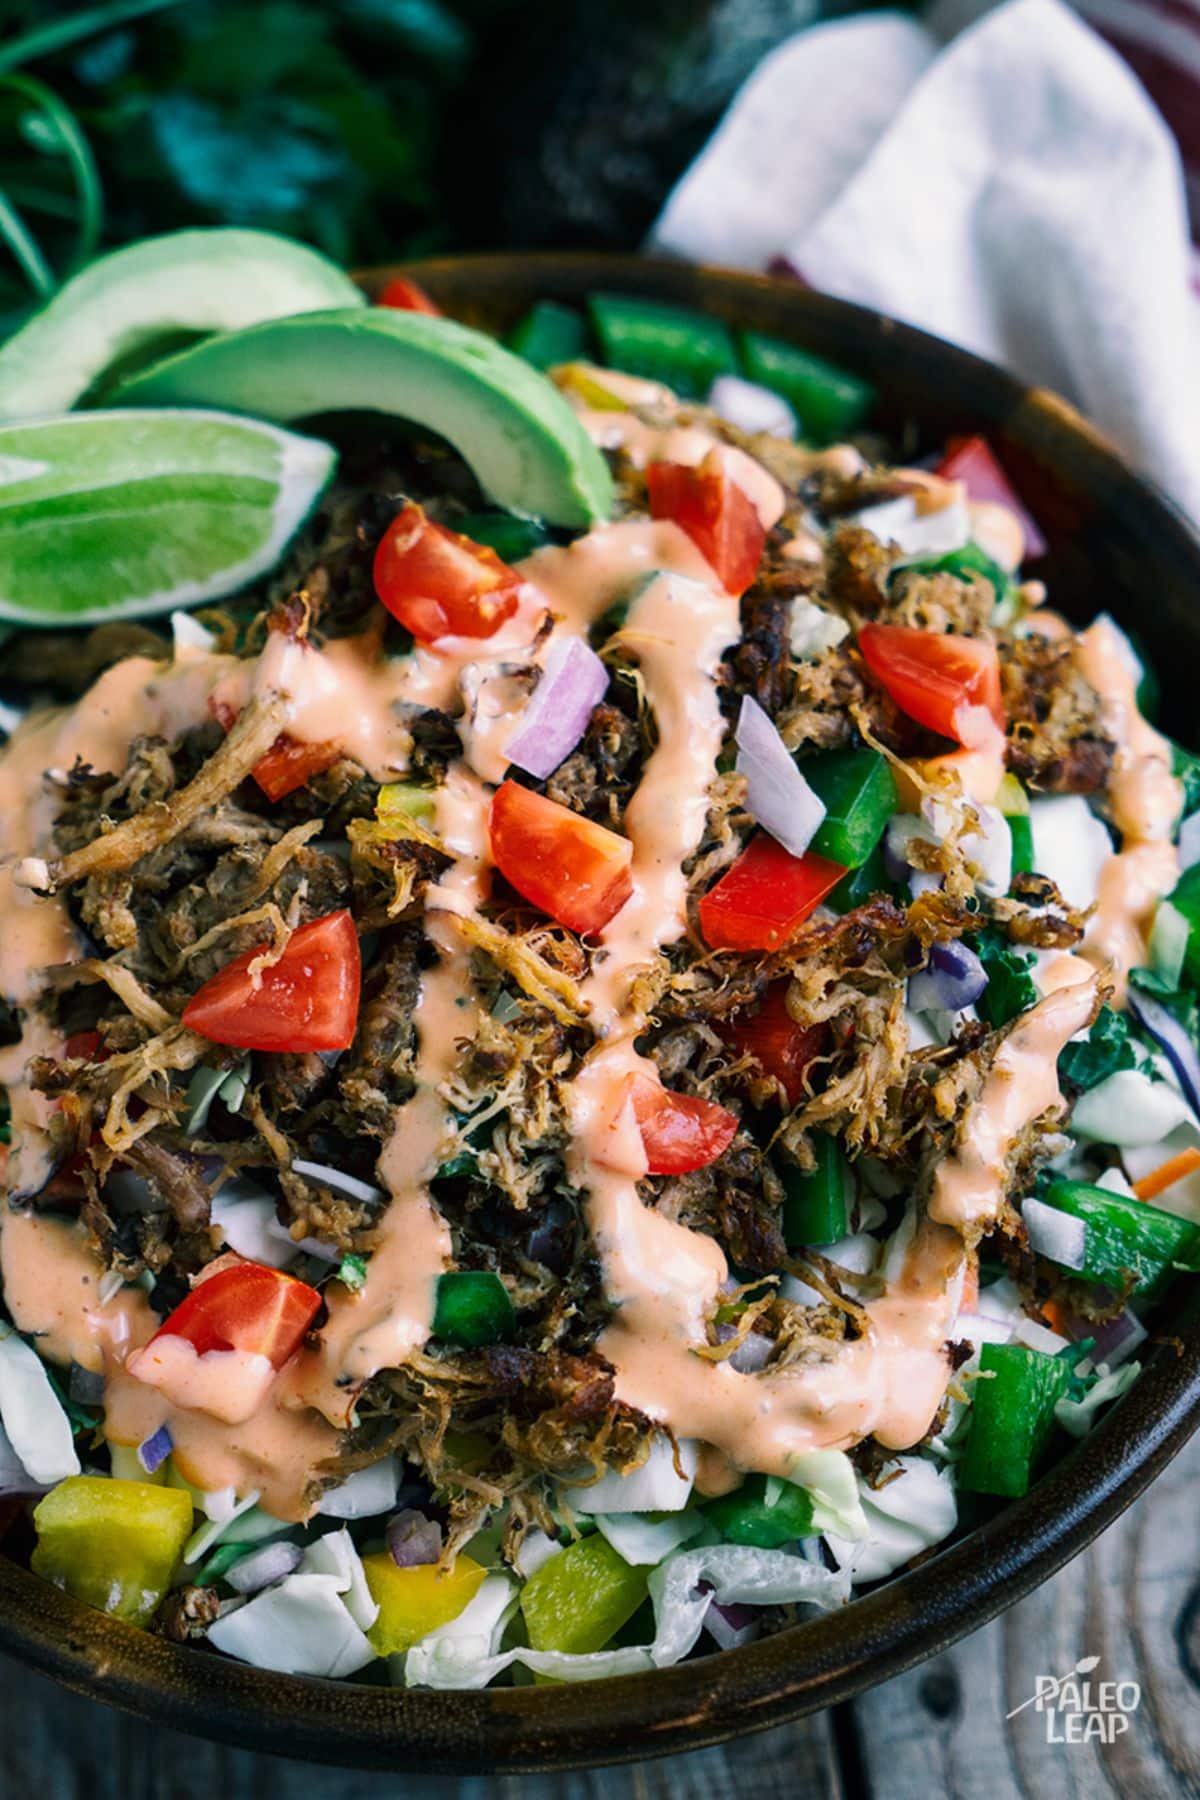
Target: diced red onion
x,y
1113,1341
1189,841
777,795
574,681
732,1625
263,1568
954,978
338,1180
752,1354
1116,1339
155,1449
1172,1040
750,407
413,1539
1055,1234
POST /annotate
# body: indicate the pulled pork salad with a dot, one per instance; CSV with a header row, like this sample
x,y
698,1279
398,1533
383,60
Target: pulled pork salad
x,y
586,1073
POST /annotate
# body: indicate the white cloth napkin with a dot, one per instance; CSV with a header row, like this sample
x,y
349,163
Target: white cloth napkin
x,y
1015,192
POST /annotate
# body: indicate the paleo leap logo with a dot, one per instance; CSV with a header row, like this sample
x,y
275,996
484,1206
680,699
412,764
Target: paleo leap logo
x,y
1080,1711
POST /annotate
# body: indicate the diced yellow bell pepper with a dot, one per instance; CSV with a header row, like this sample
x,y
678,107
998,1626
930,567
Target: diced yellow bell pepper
x,y
587,384
971,772
576,1600
416,1600
403,800
113,1544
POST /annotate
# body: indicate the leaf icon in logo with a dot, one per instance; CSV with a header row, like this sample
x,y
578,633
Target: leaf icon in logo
x,y
1086,1664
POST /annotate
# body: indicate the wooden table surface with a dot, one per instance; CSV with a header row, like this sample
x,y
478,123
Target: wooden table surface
x,y
939,1733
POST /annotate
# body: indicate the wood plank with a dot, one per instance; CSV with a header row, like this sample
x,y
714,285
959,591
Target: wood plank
x,y
67,1748
1133,1600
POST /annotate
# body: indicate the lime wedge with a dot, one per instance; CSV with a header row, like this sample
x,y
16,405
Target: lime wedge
x,y
117,515
140,302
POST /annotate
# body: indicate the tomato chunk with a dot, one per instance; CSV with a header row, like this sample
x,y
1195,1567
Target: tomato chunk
x,y
935,678
439,583
246,1307
408,296
782,1048
972,461
717,514
288,764
308,1000
679,1131
763,900
567,866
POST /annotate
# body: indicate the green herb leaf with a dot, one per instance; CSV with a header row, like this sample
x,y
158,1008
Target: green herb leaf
x,y
352,1271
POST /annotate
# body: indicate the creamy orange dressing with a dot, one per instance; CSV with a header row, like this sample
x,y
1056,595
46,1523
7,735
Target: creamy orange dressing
x,y
1021,1085
1146,801
662,1277
229,1384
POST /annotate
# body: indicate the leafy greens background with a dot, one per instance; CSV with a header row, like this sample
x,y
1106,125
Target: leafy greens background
x,y
373,128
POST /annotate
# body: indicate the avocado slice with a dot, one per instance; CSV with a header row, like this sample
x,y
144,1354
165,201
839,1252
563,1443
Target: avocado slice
x,y
526,447
135,305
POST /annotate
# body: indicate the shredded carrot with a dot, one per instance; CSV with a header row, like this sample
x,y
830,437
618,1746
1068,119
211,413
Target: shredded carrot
x,y
970,1290
1168,1173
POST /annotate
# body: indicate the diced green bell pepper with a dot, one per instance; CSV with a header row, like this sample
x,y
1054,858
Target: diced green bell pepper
x,y
550,334
1021,828
827,401
1013,802
970,560
685,350
814,1207
765,1514
579,1598
510,536
859,794
1186,900
1011,988
1149,689
473,1308
1126,1237
1012,1413
1186,765
856,888
113,1544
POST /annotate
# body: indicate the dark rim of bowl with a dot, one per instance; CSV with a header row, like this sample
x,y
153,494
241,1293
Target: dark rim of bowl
x,y
826,1659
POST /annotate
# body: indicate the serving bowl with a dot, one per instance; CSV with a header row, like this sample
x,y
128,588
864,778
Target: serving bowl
x,y
1115,544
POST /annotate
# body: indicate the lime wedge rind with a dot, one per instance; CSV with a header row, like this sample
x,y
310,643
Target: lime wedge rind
x,y
526,447
202,280
148,537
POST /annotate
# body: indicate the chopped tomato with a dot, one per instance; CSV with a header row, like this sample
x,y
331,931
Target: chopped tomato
x,y
717,514
408,296
83,1046
972,461
565,865
439,583
936,678
308,1000
679,1131
782,1048
288,764
763,900
245,1307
